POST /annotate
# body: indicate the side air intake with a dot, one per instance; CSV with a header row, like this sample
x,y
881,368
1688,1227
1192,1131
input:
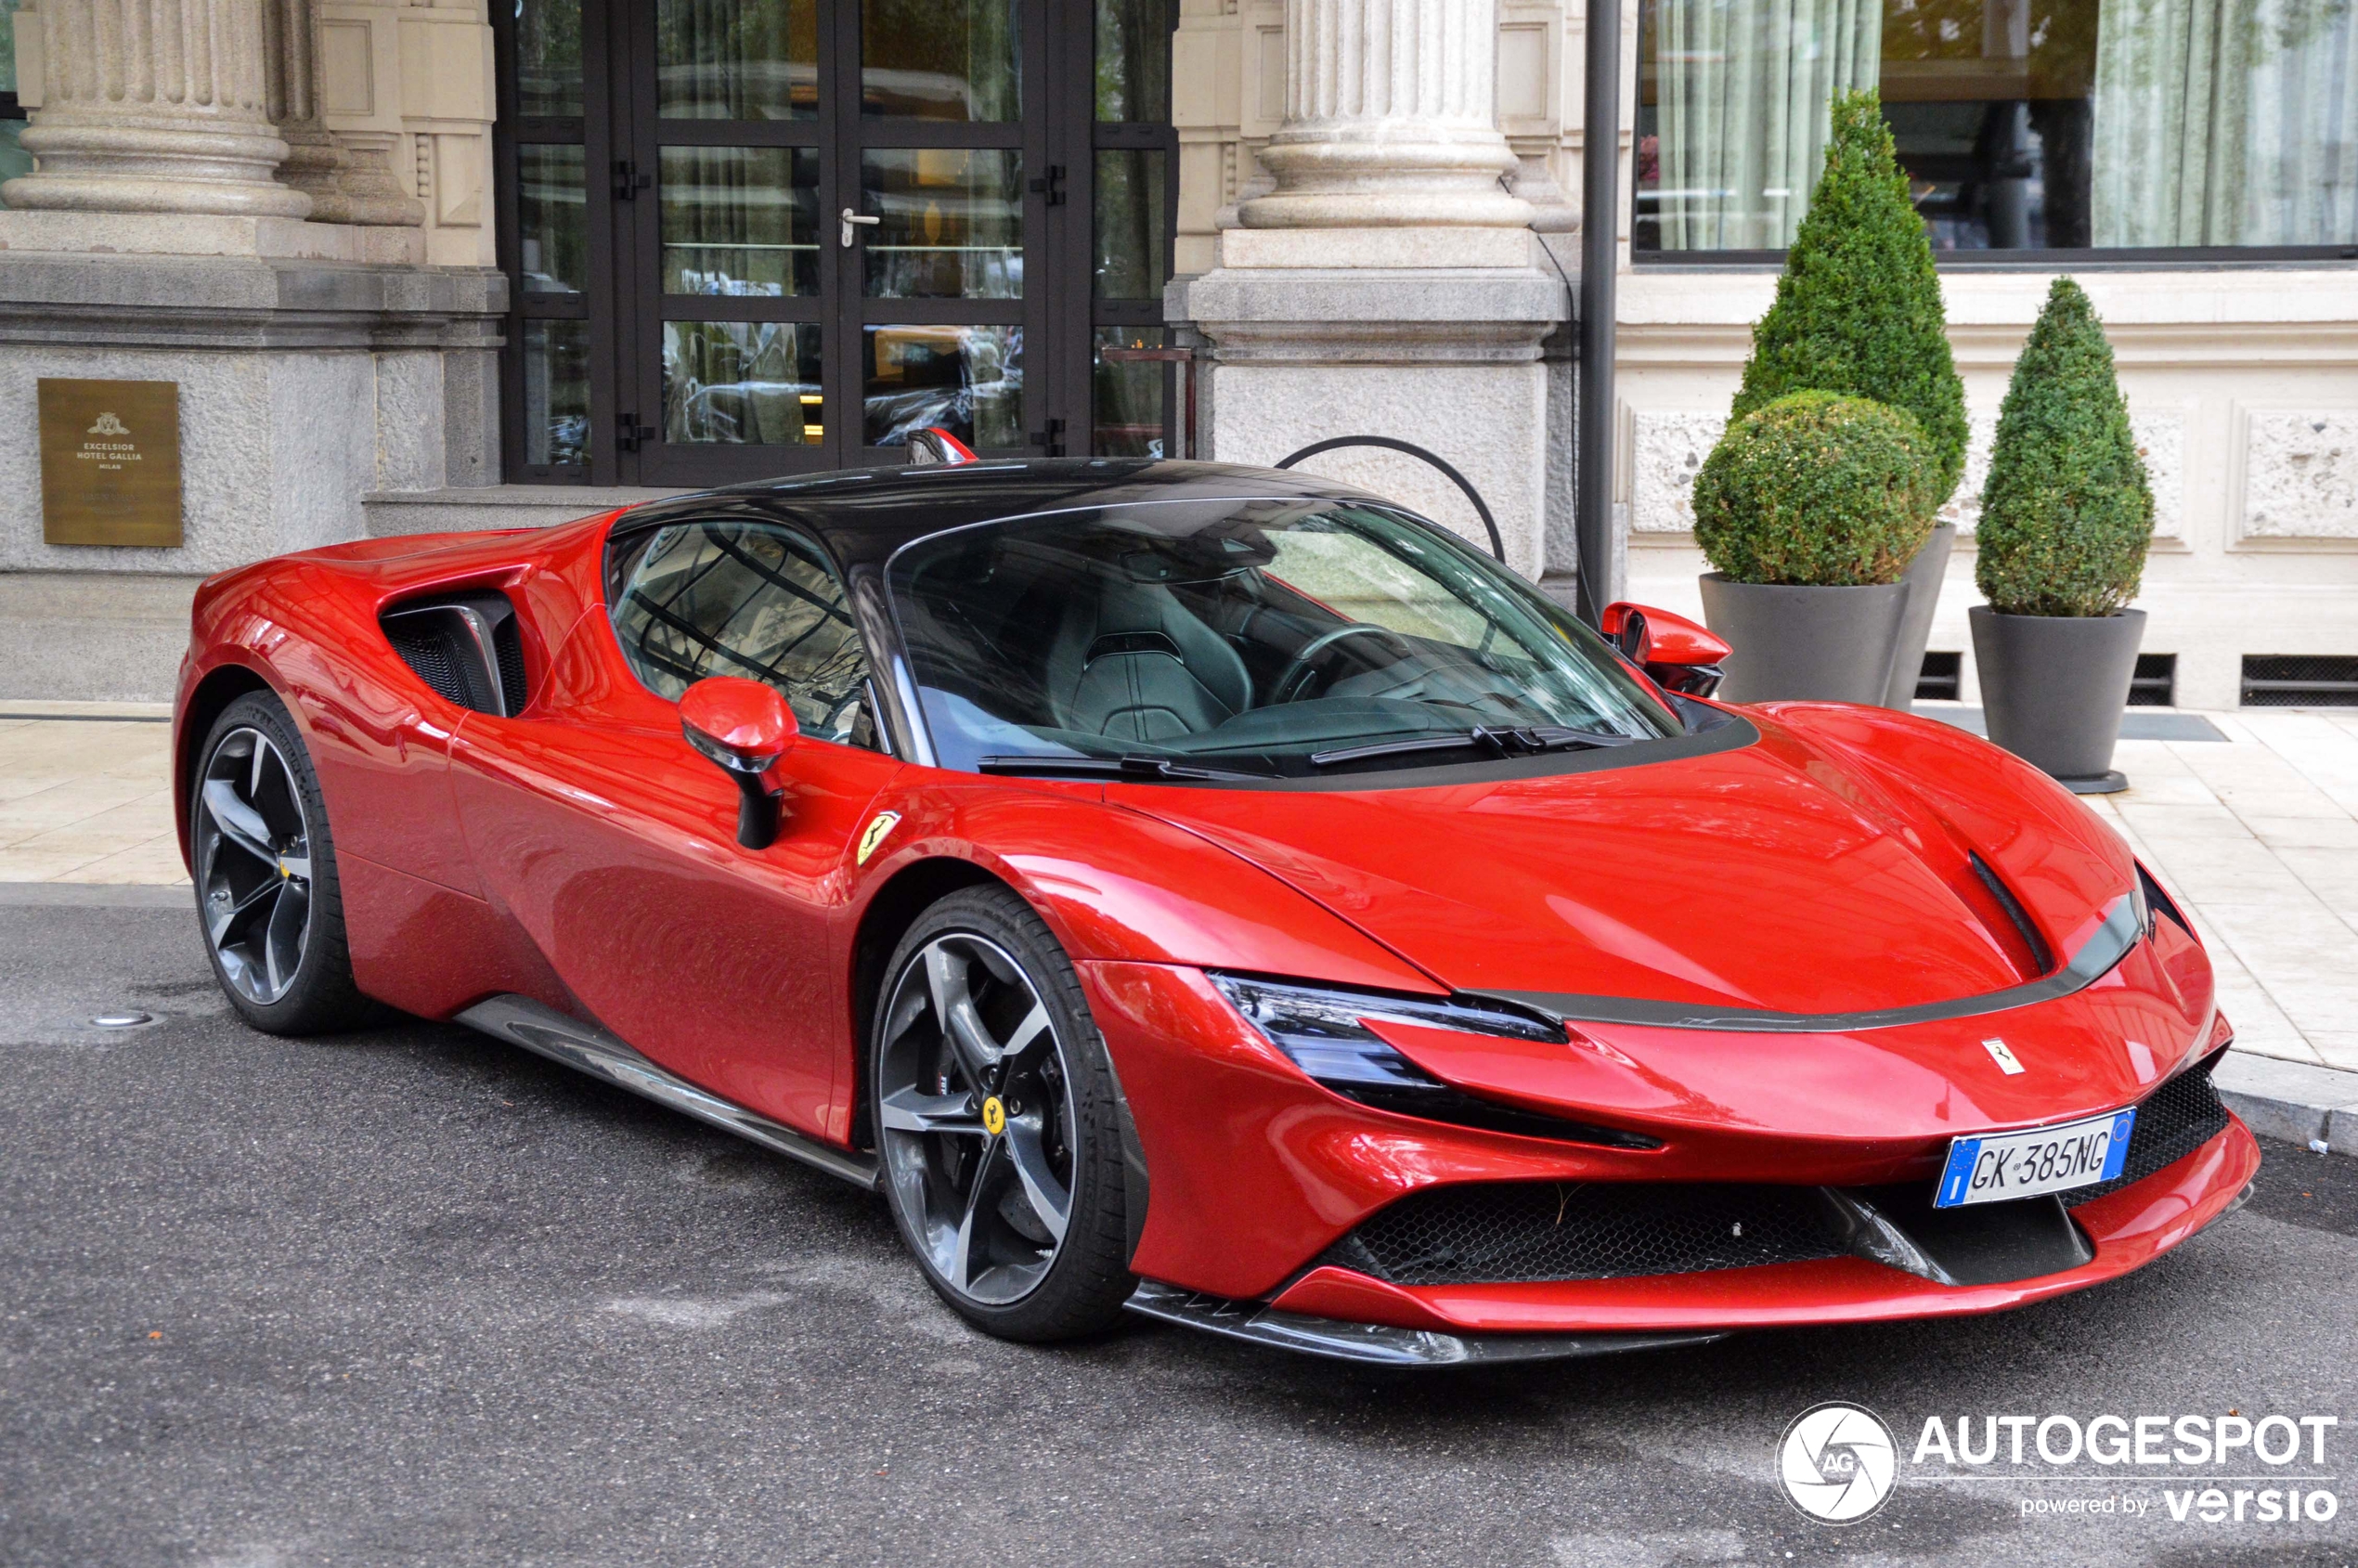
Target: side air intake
x,y
467,646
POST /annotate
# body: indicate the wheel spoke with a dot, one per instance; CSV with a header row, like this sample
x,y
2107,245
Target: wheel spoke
x,y
909,1111
282,938
239,823
962,1256
264,892
953,1009
1047,1196
1025,1035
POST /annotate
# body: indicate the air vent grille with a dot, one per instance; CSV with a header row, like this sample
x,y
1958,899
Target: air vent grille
x,y
2301,681
507,641
466,647
2156,683
429,654
1940,679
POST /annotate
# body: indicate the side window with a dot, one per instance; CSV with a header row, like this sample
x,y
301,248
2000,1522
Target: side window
x,y
746,599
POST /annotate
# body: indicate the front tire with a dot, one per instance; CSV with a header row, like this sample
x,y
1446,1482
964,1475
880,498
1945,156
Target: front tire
x,y
996,1128
268,898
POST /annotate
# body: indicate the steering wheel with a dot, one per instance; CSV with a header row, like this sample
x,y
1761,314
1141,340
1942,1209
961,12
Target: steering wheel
x,y
1298,669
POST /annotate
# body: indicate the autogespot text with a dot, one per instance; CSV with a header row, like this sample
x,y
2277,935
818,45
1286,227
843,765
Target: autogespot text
x,y
2229,1469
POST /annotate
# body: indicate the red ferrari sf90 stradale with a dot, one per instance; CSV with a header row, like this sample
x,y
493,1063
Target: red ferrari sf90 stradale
x,y
1220,893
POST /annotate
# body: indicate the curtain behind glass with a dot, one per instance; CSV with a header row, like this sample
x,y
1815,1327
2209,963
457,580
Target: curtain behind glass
x,y
1744,86
2226,123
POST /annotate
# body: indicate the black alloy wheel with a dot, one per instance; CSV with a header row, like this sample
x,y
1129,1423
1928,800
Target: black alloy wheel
x,y
995,1121
266,887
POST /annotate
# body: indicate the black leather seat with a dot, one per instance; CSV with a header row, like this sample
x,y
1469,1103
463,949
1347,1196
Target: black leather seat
x,y
1135,664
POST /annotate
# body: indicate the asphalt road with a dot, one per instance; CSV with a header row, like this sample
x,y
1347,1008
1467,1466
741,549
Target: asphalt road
x,y
412,1297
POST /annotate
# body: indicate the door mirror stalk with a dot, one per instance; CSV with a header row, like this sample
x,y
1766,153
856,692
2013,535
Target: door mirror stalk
x,y
744,727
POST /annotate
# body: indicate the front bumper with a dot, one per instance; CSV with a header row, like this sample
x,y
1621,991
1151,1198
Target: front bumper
x,y
1256,1173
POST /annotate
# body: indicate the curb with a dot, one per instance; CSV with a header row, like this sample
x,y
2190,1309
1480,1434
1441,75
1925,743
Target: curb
x,y
2315,1106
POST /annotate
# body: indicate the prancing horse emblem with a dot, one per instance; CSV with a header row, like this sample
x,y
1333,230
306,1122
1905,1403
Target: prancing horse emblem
x,y
874,833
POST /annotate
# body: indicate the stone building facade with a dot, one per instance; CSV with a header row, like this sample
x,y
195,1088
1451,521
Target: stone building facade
x,y
1373,208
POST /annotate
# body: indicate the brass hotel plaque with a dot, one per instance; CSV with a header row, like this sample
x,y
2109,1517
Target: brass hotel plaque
x,y
110,463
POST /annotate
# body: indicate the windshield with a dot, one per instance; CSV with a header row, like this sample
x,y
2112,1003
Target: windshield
x,y
1289,639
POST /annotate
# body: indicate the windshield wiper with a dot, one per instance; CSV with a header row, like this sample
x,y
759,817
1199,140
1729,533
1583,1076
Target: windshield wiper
x,y
1522,741
1106,767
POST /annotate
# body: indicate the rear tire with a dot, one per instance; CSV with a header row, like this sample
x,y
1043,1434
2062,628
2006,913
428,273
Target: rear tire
x,y
268,900
997,1136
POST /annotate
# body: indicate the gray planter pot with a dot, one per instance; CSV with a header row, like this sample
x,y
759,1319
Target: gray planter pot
x,y
2053,688
1923,578
1834,644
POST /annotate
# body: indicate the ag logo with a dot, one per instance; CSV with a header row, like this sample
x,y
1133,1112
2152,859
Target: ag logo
x,y
1837,1462
874,834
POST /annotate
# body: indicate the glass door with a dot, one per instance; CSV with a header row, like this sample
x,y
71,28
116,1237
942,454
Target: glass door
x,y
719,204
948,192
748,238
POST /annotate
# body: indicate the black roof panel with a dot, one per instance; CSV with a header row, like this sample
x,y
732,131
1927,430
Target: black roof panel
x,y
863,515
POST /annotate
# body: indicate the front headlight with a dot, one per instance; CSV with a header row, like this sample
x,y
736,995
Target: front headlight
x,y
1324,1030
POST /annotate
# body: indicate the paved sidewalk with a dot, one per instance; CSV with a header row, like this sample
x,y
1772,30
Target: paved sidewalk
x,y
85,793
2257,835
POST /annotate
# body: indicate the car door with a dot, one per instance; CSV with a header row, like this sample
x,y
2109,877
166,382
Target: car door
x,y
613,843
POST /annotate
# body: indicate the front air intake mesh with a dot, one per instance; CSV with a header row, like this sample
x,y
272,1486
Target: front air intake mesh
x,y
2174,1120
1497,1232
1504,1232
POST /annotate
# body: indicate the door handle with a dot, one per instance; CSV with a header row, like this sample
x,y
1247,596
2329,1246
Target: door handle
x,y
852,216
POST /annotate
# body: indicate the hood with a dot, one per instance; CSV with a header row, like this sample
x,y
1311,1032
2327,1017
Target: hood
x,y
1791,874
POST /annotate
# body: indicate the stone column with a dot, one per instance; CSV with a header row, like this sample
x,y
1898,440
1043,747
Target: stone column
x,y
1391,120
155,106
292,58
1385,282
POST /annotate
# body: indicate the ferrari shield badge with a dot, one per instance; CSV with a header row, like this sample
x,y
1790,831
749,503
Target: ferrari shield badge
x,y
880,827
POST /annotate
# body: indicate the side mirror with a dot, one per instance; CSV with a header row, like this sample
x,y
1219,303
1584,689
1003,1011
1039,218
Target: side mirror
x,y
1678,654
744,727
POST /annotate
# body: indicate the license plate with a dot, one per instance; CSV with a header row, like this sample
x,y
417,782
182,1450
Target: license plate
x,y
1998,1166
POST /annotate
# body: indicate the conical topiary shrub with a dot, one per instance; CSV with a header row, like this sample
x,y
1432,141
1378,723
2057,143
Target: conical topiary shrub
x,y
2066,517
2067,510
1857,309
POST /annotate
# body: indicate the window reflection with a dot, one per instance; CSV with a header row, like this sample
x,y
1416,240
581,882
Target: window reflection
x,y
736,60
549,233
549,58
556,393
952,222
1128,226
740,220
1126,395
941,59
2020,123
1133,59
741,383
966,379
